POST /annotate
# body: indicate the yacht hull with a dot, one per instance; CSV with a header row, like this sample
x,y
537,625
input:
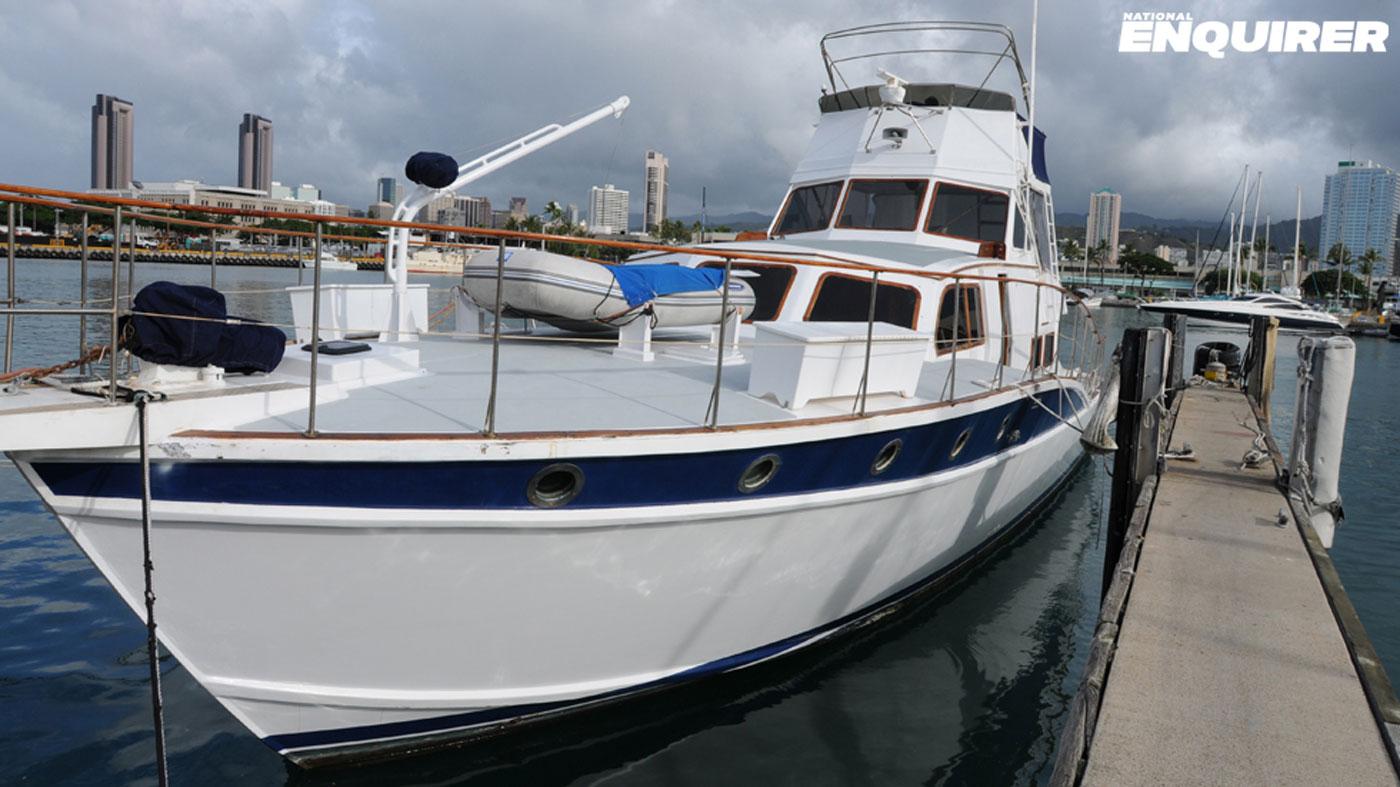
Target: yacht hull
x,y
1204,311
337,633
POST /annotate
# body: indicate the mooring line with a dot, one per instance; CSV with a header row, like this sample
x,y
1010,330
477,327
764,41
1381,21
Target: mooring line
x,y
142,400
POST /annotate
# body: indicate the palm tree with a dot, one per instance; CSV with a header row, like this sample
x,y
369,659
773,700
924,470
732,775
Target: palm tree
x,y
1340,256
1099,254
1069,249
1368,266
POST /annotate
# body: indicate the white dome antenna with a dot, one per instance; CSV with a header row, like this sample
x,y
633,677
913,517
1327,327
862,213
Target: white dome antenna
x,y
892,92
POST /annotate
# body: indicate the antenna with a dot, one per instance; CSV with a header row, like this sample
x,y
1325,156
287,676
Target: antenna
x,y
892,92
1030,101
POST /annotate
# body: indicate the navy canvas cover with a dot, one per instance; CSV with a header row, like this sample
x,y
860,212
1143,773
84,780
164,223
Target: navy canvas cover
x,y
156,332
434,170
642,283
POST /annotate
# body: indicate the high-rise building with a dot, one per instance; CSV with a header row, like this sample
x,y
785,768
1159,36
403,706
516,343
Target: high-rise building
x,y
112,120
607,210
255,153
1361,210
476,211
571,214
387,190
657,189
1104,207
517,209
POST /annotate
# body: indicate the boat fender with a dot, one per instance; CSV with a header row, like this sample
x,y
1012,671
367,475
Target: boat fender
x,y
434,170
1095,436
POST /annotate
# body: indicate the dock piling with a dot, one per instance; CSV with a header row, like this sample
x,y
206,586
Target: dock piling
x,y
1140,409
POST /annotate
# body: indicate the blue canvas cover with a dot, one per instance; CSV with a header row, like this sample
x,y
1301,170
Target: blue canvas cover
x,y
181,342
643,283
1037,154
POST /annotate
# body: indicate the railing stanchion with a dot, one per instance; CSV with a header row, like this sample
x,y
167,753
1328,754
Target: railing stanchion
x,y
83,295
957,333
214,260
131,264
489,428
1037,352
869,340
116,303
315,334
712,412
299,266
10,291
1081,337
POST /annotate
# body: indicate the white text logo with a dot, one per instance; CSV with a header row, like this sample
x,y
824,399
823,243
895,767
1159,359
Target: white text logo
x,y
1170,31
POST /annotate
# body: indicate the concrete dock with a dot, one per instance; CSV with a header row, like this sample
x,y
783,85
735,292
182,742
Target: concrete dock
x,y
1230,666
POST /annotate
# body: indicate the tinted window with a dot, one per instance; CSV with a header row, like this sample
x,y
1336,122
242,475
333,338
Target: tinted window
x,y
968,213
847,299
810,208
883,204
770,286
960,318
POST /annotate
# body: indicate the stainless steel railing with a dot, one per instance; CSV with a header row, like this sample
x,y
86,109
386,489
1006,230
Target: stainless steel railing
x,y
1083,341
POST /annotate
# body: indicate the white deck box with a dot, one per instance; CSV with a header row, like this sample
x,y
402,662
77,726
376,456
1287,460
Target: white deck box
x,y
355,309
796,362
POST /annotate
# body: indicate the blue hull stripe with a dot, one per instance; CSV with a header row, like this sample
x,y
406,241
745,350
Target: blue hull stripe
x,y
614,481
348,736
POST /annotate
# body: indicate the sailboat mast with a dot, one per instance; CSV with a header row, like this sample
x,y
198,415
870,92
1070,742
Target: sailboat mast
x,y
1254,231
1196,260
1230,280
1237,236
1297,239
1264,263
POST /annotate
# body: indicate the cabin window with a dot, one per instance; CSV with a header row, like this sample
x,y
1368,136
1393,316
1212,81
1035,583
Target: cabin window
x,y
968,213
841,298
809,208
960,320
882,205
1042,230
770,286
1043,350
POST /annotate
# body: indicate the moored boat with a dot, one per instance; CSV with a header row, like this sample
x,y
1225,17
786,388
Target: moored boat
x,y
1291,313
382,546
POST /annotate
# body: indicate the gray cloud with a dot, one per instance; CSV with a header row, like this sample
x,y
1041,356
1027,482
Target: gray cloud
x,y
727,90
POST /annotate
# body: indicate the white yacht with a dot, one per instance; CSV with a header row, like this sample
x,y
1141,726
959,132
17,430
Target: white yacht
x,y
329,262
1292,313
381,547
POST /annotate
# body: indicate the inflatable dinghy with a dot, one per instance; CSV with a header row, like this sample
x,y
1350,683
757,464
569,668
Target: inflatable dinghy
x,y
579,295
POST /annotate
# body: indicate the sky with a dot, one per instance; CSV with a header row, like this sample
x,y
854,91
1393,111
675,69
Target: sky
x,y
727,90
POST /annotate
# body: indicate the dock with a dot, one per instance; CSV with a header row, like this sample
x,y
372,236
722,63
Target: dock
x,y
1227,651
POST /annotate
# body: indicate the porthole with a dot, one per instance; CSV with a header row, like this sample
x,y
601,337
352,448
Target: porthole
x,y
759,472
554,486
886,457
960,443
1005,426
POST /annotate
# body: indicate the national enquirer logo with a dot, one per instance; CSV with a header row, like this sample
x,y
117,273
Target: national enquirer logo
x,y
1157,31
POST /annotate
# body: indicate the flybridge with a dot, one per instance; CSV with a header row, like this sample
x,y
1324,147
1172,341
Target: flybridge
x,y
1177,32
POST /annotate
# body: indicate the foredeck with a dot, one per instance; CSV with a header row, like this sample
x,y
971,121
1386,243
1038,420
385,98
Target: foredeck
x,y
554,386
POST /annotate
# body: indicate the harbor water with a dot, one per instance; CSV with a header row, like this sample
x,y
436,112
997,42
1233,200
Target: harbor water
x,y
968,686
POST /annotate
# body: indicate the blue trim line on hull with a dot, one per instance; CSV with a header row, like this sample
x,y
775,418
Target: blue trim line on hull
x,y
350,736
609,482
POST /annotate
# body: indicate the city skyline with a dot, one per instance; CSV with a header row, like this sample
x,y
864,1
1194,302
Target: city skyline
x,y
356,89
